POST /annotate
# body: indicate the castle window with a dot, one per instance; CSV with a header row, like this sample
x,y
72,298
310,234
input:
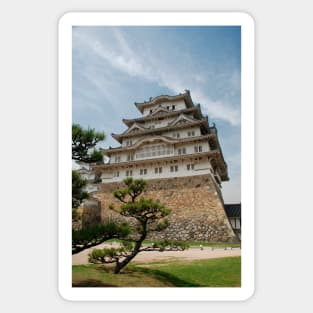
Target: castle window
x,y
168,107
191,133
116,174
150,111
198,148
173,107
143,171
129,173
158,170
181,151
117,159
154,151
190,167
176,135
174,168
129,142
130,157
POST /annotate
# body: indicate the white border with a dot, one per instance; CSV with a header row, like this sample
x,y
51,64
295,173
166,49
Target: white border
x,y
247,161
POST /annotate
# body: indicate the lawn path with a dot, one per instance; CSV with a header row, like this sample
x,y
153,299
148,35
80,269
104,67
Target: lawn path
x,y
190,254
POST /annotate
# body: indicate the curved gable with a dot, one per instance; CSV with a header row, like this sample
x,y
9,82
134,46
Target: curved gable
x,y
160,111
133,128
154,139
182,118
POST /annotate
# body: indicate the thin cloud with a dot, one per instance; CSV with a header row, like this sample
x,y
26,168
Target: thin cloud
x,y
123,58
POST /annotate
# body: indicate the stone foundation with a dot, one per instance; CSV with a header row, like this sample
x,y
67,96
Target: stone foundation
x,y
197,211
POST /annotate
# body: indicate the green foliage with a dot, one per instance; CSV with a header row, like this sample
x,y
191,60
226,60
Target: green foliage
x,y
109,229
120,194
171,245
78,194
134,188
144,210
83,141
106,255
110,255
91,236
128,245
162,225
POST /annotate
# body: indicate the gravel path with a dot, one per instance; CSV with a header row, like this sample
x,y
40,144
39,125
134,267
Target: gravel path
x,y
190,254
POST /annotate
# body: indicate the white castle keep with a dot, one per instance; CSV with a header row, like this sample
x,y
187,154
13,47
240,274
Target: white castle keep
x,y
172,138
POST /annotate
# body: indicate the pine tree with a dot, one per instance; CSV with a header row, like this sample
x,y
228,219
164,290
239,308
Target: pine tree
x,y
149,215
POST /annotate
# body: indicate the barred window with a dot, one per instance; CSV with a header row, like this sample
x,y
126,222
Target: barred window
x,y
190,167
198,148
181,151
130,157
154,151
116,174
143,171
129,173
158,170
174,168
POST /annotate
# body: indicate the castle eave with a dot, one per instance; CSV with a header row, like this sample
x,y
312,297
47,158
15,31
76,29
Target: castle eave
x,y
214,154
119,137
196,110
171,140
153,101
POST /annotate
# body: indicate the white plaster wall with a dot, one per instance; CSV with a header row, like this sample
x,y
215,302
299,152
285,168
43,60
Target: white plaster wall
x,y
188,146
179,105
200,167
133,139
183,133
123,157
159,123
162,123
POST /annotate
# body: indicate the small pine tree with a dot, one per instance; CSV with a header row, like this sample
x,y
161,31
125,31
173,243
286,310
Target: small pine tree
x,y
149,215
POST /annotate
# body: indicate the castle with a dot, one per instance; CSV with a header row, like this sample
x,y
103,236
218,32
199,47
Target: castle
x,y
173,147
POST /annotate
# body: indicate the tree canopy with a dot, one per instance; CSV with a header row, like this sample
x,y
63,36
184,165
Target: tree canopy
x,y
83,141
78,193
149,216
92,236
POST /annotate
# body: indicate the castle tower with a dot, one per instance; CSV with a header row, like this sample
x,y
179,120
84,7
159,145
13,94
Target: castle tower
x,y
173,147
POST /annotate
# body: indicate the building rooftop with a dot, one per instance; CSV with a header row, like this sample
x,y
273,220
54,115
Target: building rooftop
x,y
233,209
159,114
159,99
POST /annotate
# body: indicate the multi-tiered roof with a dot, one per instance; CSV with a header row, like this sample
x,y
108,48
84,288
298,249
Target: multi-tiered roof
x,y
143,129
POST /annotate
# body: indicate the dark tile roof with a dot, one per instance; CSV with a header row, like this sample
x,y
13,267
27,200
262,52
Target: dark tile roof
x,y
233,210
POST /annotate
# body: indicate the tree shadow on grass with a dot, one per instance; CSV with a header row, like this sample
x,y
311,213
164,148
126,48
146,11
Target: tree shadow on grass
x,y
167,278
91,283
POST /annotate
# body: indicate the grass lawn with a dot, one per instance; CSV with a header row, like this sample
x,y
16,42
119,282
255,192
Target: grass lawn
x,y
221,272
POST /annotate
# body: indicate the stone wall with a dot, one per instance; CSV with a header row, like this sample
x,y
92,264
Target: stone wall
x,y
88,214
197,212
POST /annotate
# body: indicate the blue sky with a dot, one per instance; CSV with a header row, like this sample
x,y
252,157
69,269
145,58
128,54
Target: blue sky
x,y
113,67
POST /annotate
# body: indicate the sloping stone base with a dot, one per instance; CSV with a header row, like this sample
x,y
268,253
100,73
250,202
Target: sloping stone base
x,y
197,211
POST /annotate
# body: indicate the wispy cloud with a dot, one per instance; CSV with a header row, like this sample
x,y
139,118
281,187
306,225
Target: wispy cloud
x,y
122,57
